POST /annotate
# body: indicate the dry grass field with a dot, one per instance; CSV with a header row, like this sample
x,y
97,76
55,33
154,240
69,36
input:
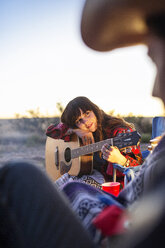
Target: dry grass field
x,y
21,142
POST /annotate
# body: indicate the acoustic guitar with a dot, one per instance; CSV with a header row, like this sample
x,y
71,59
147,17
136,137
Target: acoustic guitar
x,y
72,157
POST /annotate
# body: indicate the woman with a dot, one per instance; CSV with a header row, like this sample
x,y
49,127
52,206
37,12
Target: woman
x,y
91,124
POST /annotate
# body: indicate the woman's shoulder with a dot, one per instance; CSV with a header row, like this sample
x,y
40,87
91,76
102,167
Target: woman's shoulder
x,y
117,130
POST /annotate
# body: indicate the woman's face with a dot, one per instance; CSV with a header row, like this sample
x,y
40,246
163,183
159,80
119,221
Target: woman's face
x,y
156,51
87,121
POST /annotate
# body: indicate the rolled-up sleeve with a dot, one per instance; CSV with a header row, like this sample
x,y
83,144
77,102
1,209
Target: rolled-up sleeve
x,y
57,131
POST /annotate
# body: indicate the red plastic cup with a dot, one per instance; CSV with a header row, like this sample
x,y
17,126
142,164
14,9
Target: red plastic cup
x,y
111,187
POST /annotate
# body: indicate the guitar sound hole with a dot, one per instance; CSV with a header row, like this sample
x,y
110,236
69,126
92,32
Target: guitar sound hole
x,y
67,155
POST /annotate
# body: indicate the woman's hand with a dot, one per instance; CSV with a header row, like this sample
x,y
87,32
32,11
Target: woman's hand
x,y
113,155
86,136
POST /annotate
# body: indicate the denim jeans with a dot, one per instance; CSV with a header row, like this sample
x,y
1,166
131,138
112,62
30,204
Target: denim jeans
x,y
33,213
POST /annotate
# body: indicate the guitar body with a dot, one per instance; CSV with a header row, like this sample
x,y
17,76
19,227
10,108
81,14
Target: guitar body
x,y
58,159
77,160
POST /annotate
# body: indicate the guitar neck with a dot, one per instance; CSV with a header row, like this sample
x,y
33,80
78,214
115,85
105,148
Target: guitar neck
x,y
95,147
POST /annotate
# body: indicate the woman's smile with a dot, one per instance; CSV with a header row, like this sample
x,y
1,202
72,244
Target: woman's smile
x,y
89,125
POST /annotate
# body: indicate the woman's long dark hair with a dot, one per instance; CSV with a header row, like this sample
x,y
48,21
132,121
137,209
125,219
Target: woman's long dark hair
x,y
72,112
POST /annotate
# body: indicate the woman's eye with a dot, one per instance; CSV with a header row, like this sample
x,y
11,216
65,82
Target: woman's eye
x,y
88,113
78,122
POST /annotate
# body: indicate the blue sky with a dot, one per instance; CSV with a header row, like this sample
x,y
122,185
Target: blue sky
x,y
44,61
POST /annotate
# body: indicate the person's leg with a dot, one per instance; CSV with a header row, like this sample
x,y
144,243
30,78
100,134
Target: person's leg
x,y
34,213
148,214
147,222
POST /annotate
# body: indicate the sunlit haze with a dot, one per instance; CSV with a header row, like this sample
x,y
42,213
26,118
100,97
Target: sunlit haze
x,y
44,61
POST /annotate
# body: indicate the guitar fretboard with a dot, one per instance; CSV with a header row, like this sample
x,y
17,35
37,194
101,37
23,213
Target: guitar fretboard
x,y
95,147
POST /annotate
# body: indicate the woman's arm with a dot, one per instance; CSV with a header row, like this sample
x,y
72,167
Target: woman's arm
x,y
129,157
62,131
59,131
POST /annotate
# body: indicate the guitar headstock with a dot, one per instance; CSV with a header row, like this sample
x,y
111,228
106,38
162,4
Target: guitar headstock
x,y
126,139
